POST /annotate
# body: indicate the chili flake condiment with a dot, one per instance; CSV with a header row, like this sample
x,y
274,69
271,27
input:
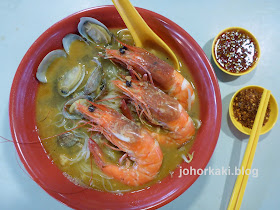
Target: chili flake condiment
x,y
235,50
245,107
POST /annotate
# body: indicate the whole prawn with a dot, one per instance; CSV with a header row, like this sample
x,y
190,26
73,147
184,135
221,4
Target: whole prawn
x,y
130,138
160,109
165,76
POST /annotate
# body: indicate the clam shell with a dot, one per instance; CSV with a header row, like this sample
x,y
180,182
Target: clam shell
x,y
68,39
46,62
71,80
71,112
95,79
67,140
94,31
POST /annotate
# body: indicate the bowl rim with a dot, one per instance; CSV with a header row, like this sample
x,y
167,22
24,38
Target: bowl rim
x,y
257,46
238,125
211,147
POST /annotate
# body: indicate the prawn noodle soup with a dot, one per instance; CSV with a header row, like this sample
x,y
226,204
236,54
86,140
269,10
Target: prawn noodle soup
x,y
81,73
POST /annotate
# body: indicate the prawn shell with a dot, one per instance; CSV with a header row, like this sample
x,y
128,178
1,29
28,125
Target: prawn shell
x,y
129,137
161,108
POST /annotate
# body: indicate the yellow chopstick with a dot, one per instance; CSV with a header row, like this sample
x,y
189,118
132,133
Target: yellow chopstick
x,y
241,182
254,146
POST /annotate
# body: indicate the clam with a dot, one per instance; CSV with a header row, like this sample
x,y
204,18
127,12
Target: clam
x,y
125,36
46,62
94,79
71,80
94,31
73,107
67,140
69,39
71,113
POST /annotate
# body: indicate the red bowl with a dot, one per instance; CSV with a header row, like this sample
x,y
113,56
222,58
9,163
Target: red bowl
x,y
49,177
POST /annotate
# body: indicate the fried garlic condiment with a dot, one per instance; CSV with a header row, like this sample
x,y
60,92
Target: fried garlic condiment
x,y
245,107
